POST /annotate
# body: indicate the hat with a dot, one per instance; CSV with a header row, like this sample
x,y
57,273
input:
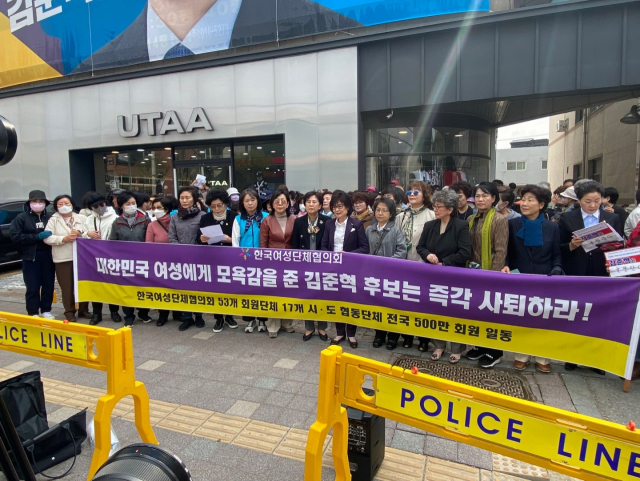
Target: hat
x,y
570,193
37,195
371,189
116,192
232,190
94,198
395,182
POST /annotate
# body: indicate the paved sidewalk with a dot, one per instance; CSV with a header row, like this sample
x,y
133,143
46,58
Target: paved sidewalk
x,y
274,381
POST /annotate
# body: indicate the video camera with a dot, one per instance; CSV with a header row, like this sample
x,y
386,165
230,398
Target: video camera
x,y
8,141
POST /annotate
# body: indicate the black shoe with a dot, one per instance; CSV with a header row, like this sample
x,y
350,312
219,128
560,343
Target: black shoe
x,y
488,361
306,337
408,343
199,321
353,344
146,318
337,341
176,316
391,345
186,324
475,354
161,322
569,366
231,322
115,317
377,342
96,319
598,371
85,315
423,346
218,325
128,323
323,337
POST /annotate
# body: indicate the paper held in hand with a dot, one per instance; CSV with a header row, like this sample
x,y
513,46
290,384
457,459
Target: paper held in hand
x,y
596,235
200,181
214,233
624,262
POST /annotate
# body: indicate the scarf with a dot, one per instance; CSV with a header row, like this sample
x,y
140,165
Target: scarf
x,y
486,257
407,225
131,219
531,231
250,218
364,216
221,217
188,213
313,228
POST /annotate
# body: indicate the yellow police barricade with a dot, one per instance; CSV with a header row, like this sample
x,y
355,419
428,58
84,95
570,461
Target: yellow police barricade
x,y
94,347
562,441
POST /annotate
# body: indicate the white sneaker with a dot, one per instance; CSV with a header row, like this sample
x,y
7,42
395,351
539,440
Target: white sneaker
x,y
250,327
36,315
48,315
262,327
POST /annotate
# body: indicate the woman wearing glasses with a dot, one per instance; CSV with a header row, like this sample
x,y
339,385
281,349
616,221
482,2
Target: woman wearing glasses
x,y
275,233
344,234
445,241
411,222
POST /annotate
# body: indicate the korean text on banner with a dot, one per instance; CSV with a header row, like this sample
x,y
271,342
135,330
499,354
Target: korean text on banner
x,y
566,319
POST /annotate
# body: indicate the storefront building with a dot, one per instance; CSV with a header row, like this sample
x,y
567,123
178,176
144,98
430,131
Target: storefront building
x,y
345,104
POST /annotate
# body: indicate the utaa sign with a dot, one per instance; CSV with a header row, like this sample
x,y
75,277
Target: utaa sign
x,y
170,123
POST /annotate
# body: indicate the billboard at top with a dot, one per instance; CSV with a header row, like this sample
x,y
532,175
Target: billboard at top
x,y
42,39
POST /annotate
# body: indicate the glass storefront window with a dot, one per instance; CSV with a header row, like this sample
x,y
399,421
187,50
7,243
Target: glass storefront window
x,y
194,153
259,161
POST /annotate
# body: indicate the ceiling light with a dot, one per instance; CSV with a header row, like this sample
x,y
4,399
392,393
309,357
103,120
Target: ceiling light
x,y
160,165
458,135
245,153
143,162
164,161
248,168
259,148
140,150
115,152
400,141
202,152
266,168
403,132
104,158
168,148
273,151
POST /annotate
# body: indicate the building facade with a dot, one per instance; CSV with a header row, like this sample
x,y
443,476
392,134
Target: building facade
x,y
524,163
593,143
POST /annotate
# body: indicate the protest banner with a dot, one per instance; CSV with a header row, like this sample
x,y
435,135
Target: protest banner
x,y
562,318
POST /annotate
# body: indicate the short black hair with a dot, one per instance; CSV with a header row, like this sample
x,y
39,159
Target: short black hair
x,y
612,193
540,193
313,193
506,194
568,180
167,203
123,198
84,202
143,197
192,190
488,188
341,196
462,187
243,194
395,192
513,185
217,194
390,205
590,187
277,193
361,197
60,197
497,182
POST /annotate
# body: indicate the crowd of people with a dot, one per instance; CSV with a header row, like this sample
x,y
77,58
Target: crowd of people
x,y
489,226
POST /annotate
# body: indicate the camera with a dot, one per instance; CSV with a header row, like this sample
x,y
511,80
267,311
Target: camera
x,y
8,141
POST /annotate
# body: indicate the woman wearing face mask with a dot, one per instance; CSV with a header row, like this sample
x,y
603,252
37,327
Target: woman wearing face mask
x,y
386,240
65,227
185,229
275,233
220,215
505,206
361,210
98,226
131,226
246,233
28,230
234,199
307,235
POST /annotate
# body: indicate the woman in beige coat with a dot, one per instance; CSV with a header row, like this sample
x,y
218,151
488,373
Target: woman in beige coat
x,y
65,226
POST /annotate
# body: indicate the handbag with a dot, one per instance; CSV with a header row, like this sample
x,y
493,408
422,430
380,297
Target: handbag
x,y
45,446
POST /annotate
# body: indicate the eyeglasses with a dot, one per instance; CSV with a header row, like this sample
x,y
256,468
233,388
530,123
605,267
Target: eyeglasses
x,y
338,206
413,192
438,207
280,201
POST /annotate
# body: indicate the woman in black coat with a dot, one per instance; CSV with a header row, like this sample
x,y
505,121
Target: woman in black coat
x,y
534,248
307,235
445,241
218,201
344,234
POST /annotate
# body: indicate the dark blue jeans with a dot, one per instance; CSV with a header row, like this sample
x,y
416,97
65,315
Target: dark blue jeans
x,y
39,278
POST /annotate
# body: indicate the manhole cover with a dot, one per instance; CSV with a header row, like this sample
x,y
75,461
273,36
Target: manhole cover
x,y
496,380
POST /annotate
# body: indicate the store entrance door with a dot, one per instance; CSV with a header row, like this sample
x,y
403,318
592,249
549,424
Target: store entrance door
x,y
218,174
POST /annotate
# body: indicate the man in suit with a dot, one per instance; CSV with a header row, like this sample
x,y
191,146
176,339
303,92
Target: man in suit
x,y
174,28
575,261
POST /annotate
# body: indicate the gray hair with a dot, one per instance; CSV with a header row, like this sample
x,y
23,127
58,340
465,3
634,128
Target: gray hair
x,y
447,197
544,185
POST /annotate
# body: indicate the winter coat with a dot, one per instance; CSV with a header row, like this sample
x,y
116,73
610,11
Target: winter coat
x,y
185,231
121,230
452,247
24,232
158,231
63,251
101,224
389,242
418,224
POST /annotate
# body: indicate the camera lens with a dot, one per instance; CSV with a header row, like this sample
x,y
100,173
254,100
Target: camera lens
x,y
8,141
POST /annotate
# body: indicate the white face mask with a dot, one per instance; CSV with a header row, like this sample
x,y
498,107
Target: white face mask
x,y
158,213
234,197
100,210
302,208
65,209
130,209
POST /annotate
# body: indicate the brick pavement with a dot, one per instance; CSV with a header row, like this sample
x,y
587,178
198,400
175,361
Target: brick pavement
x,y
274,381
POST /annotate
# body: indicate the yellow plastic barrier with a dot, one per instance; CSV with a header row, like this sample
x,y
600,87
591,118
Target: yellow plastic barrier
x,y
94,347
562,441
